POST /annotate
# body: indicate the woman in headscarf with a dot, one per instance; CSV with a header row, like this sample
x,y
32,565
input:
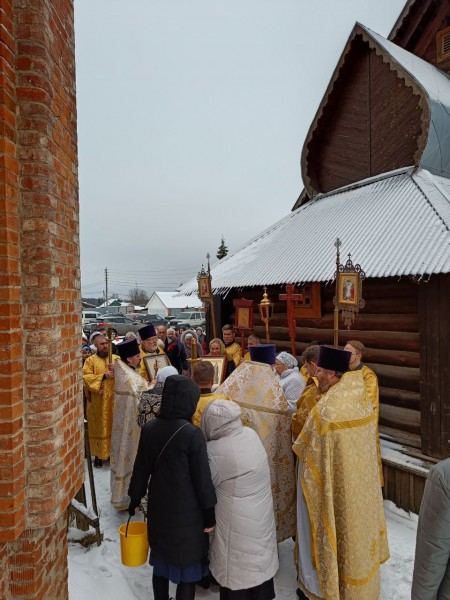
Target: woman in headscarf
x,y
150,402
243,554
86,352
201,338
189,339
181,495
292,383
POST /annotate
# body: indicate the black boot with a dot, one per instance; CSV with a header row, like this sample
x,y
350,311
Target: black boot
x,y
98,463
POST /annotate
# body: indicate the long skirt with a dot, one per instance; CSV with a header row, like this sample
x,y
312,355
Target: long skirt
x,y
175,574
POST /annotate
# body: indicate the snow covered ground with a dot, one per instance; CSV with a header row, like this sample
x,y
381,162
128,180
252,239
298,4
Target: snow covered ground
x,y
97,573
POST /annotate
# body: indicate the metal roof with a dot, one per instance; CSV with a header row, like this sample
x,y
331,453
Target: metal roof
x,y
393,224
436,86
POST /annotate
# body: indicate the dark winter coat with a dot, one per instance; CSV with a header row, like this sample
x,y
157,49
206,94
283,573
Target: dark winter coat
x,y
431,578
181,495
177,355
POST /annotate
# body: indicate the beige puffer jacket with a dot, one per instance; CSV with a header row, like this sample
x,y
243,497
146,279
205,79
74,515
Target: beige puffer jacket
x,y
243,549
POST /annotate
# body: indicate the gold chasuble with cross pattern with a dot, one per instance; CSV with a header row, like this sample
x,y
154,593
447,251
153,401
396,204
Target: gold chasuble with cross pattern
x,y
265,409
340,481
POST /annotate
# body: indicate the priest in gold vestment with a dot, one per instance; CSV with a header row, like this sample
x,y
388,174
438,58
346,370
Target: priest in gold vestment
x,y
233,350
98,380
340,518
371,384
254,387
149,347
311,393
128,389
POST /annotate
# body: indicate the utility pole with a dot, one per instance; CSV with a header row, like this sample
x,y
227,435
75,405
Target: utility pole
x,y
106,288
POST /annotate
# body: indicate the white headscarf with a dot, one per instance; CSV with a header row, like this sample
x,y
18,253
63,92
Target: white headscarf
x,y
164,373
287,359
94,335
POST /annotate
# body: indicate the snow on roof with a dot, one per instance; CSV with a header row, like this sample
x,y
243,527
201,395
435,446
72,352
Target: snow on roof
x,y
393,224
171,300
114,301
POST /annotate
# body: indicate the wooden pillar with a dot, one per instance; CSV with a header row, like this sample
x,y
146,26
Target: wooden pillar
x,y
434,323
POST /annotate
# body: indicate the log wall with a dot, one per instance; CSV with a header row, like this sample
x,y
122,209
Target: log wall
x,y
405,327
389,328
403,486
361,129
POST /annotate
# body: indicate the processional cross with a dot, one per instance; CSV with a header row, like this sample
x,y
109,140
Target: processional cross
x,y
291,297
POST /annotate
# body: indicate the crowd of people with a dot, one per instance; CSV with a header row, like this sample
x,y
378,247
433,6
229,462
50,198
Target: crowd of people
x,y
229,469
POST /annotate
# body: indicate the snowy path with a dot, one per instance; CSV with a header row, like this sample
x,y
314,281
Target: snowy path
x,y
98,574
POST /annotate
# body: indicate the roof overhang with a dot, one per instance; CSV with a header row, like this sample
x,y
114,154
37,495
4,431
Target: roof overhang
x,y
395,224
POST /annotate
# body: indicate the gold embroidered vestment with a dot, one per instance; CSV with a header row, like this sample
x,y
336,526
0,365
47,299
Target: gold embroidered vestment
x,y
264,408
371,384
100,409
234,353
305,403
203,402
142,369
340,482
128,388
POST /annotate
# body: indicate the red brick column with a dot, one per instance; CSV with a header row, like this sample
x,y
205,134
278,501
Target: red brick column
x,y
12,463
41,450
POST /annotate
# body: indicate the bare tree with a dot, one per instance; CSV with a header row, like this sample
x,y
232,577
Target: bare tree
x,y
138,296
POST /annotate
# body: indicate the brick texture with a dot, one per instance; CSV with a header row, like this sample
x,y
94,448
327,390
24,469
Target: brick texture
x,y
41,449
12,464
35,565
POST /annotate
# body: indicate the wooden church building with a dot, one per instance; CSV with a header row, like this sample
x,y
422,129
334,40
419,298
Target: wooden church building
x,y
376,170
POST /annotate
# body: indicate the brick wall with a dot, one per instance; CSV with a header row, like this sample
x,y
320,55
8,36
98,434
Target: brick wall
x,y
36,564
41,450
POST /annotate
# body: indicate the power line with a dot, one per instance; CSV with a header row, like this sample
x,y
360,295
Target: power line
x,y
156,271
141,283
85,285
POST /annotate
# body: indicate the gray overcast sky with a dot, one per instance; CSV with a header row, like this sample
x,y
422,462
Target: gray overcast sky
x,y
191,120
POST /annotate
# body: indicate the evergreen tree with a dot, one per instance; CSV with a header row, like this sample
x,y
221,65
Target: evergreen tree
x,y
222,250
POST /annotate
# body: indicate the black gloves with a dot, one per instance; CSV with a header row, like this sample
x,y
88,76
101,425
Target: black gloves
x,y
132,507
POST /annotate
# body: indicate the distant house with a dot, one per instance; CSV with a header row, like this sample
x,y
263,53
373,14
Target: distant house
x,y
112,303
168,303
117,306
376,170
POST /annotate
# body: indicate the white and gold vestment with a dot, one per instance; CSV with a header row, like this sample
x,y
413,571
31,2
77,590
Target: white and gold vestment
x,y
128,388
254,387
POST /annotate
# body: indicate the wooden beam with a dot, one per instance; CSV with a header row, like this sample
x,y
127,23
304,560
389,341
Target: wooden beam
x,y
417,18
427,35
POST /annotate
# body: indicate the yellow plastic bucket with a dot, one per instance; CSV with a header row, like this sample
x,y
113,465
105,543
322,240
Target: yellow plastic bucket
x,y
133,543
